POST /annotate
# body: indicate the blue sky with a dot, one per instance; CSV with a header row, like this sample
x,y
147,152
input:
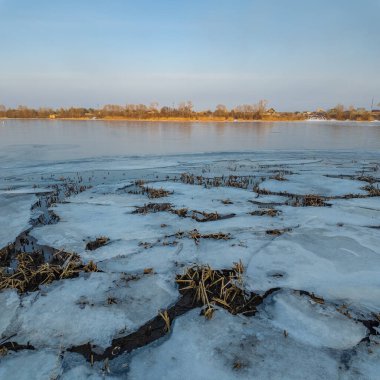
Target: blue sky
x,y
297,54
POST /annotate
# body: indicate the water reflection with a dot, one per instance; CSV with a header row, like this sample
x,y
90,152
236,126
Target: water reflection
x,y
78,139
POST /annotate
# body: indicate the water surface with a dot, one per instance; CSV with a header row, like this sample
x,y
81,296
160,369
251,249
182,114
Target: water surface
x,y
63,140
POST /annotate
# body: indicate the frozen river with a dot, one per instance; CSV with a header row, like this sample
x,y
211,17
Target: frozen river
x,y
286,216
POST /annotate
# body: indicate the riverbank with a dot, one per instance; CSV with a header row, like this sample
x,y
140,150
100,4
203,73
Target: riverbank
x,y
164,120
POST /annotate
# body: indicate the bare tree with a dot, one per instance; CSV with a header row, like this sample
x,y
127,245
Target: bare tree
x,y
339,110
221,110
261,108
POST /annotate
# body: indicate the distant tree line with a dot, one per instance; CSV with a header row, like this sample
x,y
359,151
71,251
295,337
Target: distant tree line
x,y
184,110
339,112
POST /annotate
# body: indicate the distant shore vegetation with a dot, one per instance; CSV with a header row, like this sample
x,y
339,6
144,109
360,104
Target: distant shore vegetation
x,y
185,112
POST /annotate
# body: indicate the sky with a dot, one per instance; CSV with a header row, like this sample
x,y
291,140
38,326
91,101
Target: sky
x,y
297,54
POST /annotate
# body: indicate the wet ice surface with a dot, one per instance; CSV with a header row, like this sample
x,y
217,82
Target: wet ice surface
x,y
331,252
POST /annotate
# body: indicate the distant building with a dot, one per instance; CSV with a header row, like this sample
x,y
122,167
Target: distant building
x,y
270,112
52,116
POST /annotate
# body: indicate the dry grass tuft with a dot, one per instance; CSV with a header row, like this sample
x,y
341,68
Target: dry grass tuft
x,y
313,200
238,182
372,190
97,243
241,182
32,271
152,207
165,316
202,216
211,287
90,267
182,212
196,236
237,365
270,212
317,299
366,178
155,193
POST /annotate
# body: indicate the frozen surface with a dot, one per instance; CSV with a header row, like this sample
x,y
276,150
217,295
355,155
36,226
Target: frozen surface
x,y
340,265
314,324
331,251
30,365
79,311
230,347
15,212
9,302
312,183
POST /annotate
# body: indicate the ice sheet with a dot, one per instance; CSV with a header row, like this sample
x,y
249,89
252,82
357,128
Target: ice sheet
x,y
78,311
14,215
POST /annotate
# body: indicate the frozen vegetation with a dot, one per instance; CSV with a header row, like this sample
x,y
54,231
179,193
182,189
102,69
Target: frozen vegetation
x,y
304,229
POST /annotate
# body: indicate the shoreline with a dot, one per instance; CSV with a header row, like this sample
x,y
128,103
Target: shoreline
x,y
184,120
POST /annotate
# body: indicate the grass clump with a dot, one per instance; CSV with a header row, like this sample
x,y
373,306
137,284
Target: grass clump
x,y
155,193
202,216
196,236
152,207
32,270
97,243
182,212
269,212
224,288
312,200
366,178
372,190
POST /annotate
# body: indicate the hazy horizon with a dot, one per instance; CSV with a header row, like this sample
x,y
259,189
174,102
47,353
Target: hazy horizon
x,y
298,55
